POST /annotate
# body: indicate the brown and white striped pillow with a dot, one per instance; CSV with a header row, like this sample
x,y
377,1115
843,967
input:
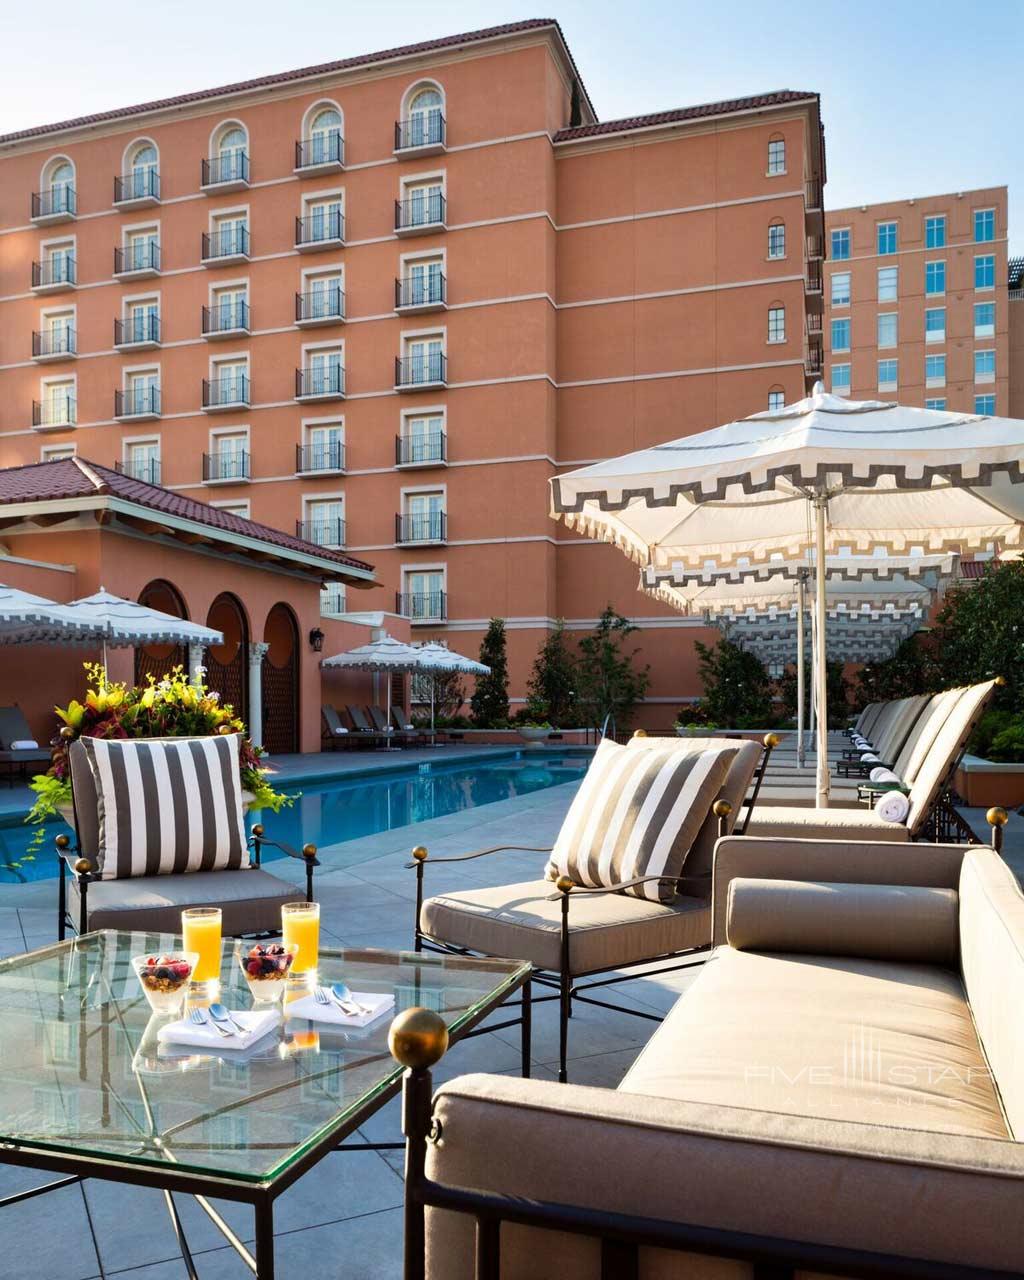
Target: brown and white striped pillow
x,y
167,806
637,813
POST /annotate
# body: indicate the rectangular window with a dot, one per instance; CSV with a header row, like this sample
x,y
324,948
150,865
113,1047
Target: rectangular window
x,y
984,319
776,401
332,602
935,324
777,156
841,289
888,283
984,366
939,404
840,335
935,278
887,330
424,594
325,522
985,271
777,240
984,225
840,244
776,324
840,378
935,371
935,232
985,404
887,239
888,374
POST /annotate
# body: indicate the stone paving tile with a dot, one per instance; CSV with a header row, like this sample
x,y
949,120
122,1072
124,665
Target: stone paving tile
x,y
48,1238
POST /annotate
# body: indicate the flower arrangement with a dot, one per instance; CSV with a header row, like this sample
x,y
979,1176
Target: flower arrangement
x,y
173,707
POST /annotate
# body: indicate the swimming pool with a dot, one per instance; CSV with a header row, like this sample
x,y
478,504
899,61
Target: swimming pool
x,y
341,810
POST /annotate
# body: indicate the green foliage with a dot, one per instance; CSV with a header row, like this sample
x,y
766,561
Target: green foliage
x,y
608,683
980,633
837,692
489,703
911,670
999,736
551,690
737,689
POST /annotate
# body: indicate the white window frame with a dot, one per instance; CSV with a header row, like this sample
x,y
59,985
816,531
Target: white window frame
x,y
844,388
935,335
57,452
974,217
878,284
849,288
983,330
945,231
231,505
849,329
887,315
838,231
936,403
934,262
888,385
985,288
986,378
328,495
777,225
55,380
779,339
935,380
771,172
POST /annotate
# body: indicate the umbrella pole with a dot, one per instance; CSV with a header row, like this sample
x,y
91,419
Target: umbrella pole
x,y
820,675
800,692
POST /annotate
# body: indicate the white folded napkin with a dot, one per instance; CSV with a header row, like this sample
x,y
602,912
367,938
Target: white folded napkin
x,y
893,806
310,1008
882,774
25,744
206,1036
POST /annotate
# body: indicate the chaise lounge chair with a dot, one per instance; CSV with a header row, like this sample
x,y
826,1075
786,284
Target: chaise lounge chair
x,y
334,731
14,730
362,730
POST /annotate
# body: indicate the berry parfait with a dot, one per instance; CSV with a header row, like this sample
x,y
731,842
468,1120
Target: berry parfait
x,y
266,966
164,977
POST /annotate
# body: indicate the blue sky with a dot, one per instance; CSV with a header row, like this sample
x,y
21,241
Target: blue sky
x,y
919,96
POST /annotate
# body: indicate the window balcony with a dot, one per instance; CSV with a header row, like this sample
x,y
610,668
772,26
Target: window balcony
x,y
226,466
230,392
58,204
322,306
422,606
332,600
136,403
146,470
422,451
226,320
137,190
320,231
316,383
229,172
812,277
322,533
55,414
320,154
421,215
137,261
422,135
428,529
417,294
54,274
815,322
220,248
815,246
137,333
320,459
419,373
54,344
814,360
814,208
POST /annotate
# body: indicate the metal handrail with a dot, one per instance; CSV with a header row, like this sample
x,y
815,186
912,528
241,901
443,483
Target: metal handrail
x,y
320,382
141,328
59,199
326,148
136,257
320,457
430,527
413,371
229,242
420,211
226,464
226,317
432,448
322,533
420,291
134,402
318,228
61,341
425,130
232,166
59,270
320,304
141,185
216,390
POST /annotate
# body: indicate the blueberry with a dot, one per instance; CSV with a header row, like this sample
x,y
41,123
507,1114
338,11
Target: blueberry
x,y
162,972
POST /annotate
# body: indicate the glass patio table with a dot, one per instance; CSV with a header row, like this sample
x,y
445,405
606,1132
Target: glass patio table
x,y
89,1093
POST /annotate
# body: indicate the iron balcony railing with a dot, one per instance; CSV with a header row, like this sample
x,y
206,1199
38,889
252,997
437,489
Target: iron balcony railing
x,y
324,148
320,304
144,184
423,606
420,211
421,449
329,456
230,242
226,317
230,390
321,228
136,329
57,201
429,526
232,166
226,464
60,341
426,129
317,381
812,193
137,257
58,270
332,600
813,277
323,533
422,370
815,247
815,322
137,402
815,355
421,291
147,469
61,411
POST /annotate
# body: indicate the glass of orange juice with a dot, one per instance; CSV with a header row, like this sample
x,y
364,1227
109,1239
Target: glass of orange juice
x,y
200,927
300,926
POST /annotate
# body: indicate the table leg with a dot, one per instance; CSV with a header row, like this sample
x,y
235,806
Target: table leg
x,y
265,1239
526,1027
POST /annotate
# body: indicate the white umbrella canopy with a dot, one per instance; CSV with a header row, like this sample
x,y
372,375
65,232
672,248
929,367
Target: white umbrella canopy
x,y
384,654
30,619
123,623
437,657
932,570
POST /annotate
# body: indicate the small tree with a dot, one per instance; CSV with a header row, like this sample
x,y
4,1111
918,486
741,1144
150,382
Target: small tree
x,y
608,682
980,633
837,691
551,691
489,703
737,688
911,670
449,693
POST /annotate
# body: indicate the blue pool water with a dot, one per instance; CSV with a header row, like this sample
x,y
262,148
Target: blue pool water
x,y
343,810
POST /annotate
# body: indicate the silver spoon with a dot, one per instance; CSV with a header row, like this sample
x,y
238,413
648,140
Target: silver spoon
x,y
219,1013
343,993
199,1018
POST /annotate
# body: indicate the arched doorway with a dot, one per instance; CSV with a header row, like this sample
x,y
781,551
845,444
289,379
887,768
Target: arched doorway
x,y
157,660
227,664
281,681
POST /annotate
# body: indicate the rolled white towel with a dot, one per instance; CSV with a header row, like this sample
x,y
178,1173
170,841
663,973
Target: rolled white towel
x,y
869,757
25,744
892,807
882,774
860,742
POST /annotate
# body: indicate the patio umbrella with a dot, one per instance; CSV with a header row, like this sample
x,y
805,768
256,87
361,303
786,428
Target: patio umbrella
x,y
825,474
436,657
29,619
120,624
384,654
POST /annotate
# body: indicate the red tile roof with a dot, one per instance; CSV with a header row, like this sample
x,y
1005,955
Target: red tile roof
x,y
303,73
699,112
77,478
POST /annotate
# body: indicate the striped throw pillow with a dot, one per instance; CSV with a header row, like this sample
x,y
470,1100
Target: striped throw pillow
x,y
167,805
637,813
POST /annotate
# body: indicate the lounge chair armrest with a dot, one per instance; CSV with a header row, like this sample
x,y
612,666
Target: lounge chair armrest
x,y
308,854
596,890
420,856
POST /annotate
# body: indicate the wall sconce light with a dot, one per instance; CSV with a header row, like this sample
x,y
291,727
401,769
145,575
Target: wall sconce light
x,y
316,640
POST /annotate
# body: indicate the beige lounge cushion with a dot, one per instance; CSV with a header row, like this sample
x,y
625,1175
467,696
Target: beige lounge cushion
x,y
825,824
607,929
840,1039
906,923
637,813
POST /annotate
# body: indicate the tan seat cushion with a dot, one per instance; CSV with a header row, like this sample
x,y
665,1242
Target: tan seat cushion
x,y
522,922
824,824
838,1039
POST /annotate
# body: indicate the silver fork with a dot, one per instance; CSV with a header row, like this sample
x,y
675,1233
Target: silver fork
x,y
200,1019
323,995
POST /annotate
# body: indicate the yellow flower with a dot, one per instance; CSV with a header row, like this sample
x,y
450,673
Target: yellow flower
x,y
74,714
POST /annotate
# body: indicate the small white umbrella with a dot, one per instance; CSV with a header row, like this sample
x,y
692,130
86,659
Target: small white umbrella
x,y
120,624
384,654
435,657
30,619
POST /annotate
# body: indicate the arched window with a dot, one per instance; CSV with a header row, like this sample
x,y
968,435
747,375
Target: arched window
x,y
229,155
324,144
777,239
776,154
56,198
776,322
425,124
140,178
776,399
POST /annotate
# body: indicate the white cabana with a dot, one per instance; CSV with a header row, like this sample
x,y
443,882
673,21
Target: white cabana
x,y
827,475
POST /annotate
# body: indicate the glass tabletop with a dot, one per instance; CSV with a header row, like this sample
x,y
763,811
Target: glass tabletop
x,y
83,1073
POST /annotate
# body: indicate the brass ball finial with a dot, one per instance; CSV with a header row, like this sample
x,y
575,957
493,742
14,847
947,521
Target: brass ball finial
x,y
83,866
309,850
639,733
1000,681
721,808
420,853
997,816
257,830
67,733
771,740
224,730
418,1038
63,842
563,884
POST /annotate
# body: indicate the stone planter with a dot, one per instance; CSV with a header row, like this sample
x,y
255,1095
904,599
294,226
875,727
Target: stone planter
x,y
533,735
984,783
